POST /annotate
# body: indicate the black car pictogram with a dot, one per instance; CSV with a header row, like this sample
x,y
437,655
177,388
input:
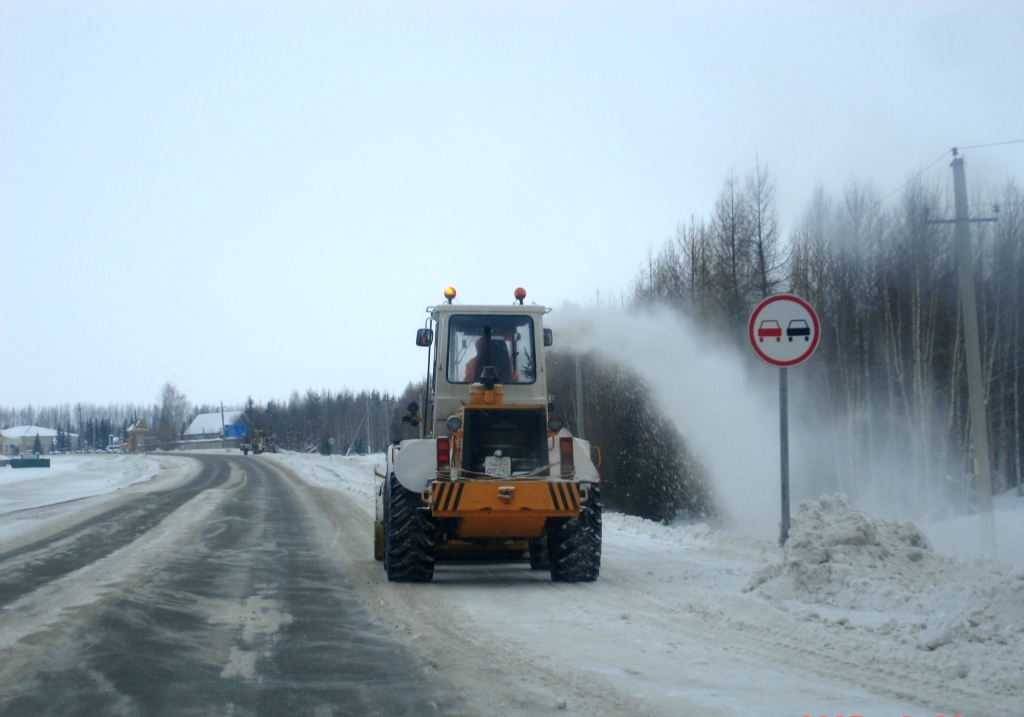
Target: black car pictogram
x,y
798,327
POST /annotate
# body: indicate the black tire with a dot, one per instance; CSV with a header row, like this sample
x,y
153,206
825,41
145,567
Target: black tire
x,y
574,545
408,536
539,553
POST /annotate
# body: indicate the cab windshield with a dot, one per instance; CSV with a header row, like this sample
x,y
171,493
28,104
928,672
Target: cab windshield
x,y
504,342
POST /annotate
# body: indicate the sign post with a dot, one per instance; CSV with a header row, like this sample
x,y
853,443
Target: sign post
x,y
783,331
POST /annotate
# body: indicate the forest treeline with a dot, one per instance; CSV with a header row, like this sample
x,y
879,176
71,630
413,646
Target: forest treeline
x,y
888,381
324,421
888,378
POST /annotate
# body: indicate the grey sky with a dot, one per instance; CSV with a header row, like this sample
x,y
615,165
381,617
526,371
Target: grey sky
x,y
254,198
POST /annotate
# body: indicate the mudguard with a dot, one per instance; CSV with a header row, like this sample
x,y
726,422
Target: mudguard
x,y
415,463
586,471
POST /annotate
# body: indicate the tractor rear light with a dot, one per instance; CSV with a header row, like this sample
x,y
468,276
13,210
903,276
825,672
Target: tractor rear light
x,y
444,460
565,450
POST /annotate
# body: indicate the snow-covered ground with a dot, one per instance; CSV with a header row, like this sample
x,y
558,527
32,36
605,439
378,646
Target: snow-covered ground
x,y
855,616
32,498
871,596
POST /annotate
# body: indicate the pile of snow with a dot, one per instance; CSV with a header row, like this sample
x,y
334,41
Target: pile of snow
x,y
833,547
854,571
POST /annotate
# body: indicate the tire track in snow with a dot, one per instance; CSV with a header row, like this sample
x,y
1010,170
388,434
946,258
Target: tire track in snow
x,y
755,630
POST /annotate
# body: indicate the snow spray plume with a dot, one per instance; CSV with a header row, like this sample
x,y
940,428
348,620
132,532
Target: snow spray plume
x,y
702,385
726,405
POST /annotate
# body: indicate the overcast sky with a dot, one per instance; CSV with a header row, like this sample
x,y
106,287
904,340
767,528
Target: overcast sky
x,y
251,198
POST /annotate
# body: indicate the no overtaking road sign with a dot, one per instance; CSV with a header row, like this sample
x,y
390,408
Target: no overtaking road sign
x,y
783,330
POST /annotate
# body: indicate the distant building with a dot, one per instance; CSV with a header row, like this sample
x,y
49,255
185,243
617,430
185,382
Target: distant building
x,y
21,439
138,441
211,425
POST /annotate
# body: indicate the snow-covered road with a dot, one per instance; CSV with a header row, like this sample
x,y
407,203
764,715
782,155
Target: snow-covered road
x,y
857,616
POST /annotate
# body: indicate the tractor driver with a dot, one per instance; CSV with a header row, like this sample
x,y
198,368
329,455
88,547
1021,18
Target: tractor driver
x,y
499,358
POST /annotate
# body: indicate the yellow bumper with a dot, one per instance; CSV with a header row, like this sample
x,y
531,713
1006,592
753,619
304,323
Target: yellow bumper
x,y
503,509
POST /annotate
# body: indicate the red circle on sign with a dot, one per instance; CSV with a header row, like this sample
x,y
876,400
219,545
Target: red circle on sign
x,y
783,330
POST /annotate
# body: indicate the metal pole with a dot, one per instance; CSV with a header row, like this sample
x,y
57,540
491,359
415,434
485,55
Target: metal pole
x,y
581,428
975,385
784,450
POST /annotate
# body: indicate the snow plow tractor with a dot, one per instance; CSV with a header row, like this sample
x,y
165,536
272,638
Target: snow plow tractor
x,y
493,472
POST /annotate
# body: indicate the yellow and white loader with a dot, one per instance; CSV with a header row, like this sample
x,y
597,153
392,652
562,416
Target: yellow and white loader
x,y
494,472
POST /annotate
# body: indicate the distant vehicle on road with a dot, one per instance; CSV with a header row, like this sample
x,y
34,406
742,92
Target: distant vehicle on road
x,y
769,328
798,327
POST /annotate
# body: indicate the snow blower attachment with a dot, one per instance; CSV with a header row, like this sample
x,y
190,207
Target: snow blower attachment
x,y
493,474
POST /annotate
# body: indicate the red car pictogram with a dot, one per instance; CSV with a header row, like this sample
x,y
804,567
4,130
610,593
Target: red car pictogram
x,y
768,329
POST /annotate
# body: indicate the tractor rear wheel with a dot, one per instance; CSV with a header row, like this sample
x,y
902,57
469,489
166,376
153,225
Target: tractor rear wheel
x,y
574,546
408,536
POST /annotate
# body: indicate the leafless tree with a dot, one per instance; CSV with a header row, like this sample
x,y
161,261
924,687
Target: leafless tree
x,y
170,424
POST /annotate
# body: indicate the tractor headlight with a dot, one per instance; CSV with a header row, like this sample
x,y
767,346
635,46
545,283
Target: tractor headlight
x,y
454,423
555,424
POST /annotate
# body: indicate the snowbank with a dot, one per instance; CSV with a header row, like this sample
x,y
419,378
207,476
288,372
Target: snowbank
x,y
854,571
31,496
72,477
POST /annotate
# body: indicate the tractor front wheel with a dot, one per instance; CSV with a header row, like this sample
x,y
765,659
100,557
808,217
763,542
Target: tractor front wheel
x,y
408,536
574,545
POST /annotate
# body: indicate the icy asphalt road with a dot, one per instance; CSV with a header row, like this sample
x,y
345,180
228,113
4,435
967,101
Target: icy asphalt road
x,y
220,584
215,597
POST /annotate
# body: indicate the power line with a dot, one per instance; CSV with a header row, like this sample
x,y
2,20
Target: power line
x,y
954,152
993,144
899,188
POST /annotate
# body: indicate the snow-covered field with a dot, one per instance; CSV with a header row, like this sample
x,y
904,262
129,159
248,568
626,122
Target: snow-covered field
x,y
855,616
